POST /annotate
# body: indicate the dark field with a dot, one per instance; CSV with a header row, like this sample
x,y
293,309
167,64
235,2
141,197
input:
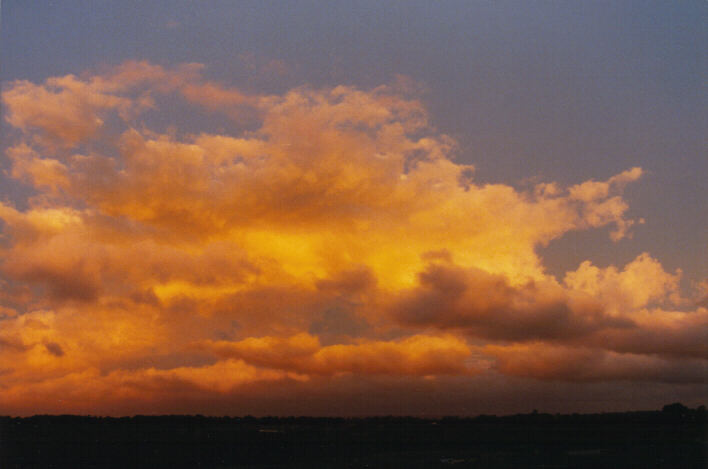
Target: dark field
x,y
673,438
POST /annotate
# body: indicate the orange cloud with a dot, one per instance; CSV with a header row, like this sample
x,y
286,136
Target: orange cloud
x,y
65,111
331,233
641,281
415,355
89,389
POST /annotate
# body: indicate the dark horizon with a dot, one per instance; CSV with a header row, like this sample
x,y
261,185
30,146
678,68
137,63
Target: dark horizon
x,y
673,437
673,409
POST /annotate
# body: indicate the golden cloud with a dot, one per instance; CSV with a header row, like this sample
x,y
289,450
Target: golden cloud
x,y
415,355
330,233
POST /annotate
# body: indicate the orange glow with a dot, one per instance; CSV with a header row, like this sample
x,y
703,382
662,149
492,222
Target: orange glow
x,y
338,238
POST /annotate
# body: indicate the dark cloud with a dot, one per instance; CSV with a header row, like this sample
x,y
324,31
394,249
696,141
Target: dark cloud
x,y
488,306
582,364
685,337
54,348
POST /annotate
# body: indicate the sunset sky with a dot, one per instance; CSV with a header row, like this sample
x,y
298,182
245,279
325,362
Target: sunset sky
x,y
352,208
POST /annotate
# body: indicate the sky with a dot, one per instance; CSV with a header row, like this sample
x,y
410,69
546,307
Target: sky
x,y
352,208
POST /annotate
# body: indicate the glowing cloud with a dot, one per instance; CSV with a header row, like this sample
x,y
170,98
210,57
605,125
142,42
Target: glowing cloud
x,y
331,234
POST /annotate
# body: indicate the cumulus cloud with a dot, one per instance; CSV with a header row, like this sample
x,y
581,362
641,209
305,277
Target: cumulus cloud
x,y
486,305
65,111
640,282
331,232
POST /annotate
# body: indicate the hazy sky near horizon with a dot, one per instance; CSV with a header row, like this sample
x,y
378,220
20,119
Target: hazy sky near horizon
x,y
278,207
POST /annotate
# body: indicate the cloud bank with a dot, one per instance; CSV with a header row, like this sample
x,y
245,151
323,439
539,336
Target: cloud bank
x,y
318,239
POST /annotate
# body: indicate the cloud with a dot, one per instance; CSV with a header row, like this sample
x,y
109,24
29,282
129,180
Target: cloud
x,y
72,391
488,306
65,111
641,281
415,355
553,362
328,235
54,348
670,334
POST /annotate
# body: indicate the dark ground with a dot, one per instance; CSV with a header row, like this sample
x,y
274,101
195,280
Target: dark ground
x,y
676,437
